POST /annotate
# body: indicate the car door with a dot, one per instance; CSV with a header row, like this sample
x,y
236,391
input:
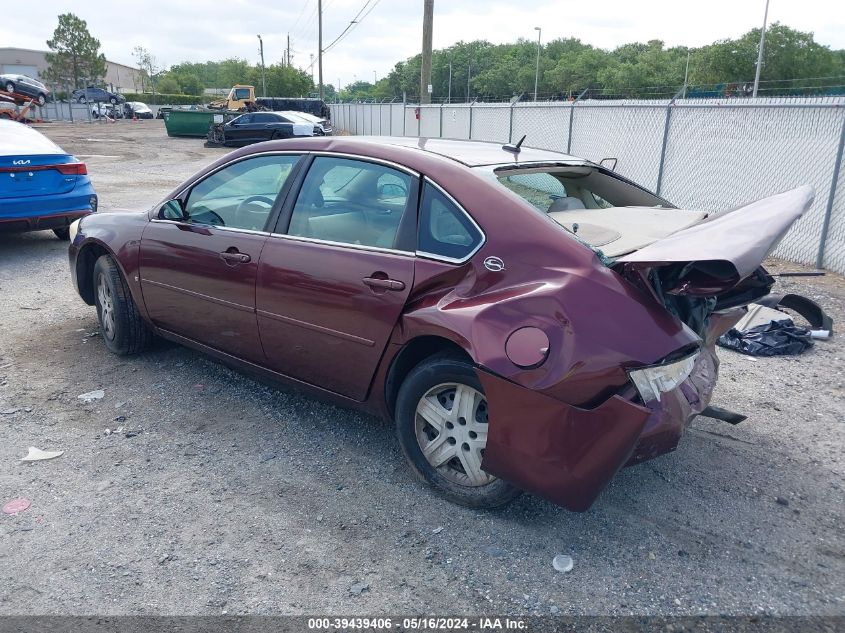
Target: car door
x,y
333,281
240,130
263,125
199,257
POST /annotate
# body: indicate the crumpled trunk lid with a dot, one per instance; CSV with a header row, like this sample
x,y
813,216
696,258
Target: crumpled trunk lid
x,y
716,264
724,249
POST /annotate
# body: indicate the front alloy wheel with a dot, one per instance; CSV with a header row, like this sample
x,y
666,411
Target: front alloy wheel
x,y
441,423
124,331
106,305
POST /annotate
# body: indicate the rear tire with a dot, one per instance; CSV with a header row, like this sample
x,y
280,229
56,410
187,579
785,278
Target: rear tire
x,y
42,99
82,100
444,387
10,87
113,101
123,330
63,233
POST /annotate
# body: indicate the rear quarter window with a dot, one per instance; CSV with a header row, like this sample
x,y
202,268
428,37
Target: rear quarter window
x,y
445,231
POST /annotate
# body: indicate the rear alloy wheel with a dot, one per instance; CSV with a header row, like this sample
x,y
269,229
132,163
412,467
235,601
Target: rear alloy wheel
x,y
124,331
63,233
441,422
82,100
10,87
42,99
113,101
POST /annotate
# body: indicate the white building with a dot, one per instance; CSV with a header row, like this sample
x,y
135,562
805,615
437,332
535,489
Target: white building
x,y
30,62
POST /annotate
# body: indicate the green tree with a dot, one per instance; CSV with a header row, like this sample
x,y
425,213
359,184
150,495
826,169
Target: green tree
x,y
190,83
168,85
148,65
75,55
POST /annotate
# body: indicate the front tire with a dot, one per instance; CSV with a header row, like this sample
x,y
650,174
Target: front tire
x,y
10,87
82,100
42,99
123,330
63,233
113,101
441,423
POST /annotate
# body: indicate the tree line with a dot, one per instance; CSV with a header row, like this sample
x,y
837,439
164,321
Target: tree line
x,y
794,63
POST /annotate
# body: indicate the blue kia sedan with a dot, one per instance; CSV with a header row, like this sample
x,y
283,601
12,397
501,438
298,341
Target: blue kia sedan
x,y
41,186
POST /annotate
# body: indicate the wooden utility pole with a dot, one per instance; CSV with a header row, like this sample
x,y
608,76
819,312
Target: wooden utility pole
x,y
425,67
288,55
320,45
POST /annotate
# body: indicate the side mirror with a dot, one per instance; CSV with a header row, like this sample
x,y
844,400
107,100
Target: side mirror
x,y
171,210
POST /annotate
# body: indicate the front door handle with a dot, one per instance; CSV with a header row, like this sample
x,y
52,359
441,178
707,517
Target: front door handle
x,y
383,284
235,257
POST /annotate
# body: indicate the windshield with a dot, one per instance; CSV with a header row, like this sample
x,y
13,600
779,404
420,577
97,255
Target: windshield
x,y
297,117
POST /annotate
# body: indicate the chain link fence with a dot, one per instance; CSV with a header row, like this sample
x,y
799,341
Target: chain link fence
x,y
706,154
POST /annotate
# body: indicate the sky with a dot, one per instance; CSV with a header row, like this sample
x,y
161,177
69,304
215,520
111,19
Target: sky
x,y
391,30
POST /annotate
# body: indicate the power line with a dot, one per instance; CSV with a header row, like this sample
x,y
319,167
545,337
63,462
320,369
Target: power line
x,y
353,23
299,17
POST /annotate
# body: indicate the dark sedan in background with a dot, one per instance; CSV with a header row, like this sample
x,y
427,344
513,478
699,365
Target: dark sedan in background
x,y
97,95
529,320
23,85
254,127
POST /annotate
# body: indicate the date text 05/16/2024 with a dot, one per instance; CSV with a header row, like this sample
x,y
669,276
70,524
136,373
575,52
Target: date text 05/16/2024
x,y
429,623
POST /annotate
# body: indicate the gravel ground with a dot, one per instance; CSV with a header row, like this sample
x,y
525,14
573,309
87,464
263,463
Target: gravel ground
x,y
191,489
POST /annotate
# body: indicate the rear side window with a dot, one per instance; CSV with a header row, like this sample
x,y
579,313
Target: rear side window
x,y
445,230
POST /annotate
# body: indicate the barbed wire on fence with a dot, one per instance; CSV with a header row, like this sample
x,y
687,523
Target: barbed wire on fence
x,y
709,154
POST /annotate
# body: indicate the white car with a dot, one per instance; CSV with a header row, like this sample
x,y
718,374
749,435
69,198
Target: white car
x,y
21,84
106,110
138,109
324,124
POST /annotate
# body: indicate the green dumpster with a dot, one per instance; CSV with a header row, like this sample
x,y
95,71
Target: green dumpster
x,y
190,122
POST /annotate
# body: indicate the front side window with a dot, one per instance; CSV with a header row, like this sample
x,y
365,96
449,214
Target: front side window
x,y
241,195
344,200
445,230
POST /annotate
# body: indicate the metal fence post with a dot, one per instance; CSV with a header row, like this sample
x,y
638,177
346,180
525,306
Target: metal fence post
x,y
440,128
470,120
571,115
510,123
837,164
390,110
663,146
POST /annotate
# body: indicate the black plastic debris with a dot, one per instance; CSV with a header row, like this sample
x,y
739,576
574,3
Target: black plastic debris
x,y
775,338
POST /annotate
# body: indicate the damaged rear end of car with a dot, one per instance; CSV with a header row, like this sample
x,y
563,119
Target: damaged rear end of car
x,y
635,360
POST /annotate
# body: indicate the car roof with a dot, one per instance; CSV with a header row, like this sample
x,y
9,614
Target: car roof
x,y
469,153
17,139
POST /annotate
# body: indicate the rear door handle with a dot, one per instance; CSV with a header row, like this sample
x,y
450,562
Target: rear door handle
x,y
235,258
384,284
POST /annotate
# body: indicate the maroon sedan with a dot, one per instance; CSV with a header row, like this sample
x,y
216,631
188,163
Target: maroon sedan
x,y
529,320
